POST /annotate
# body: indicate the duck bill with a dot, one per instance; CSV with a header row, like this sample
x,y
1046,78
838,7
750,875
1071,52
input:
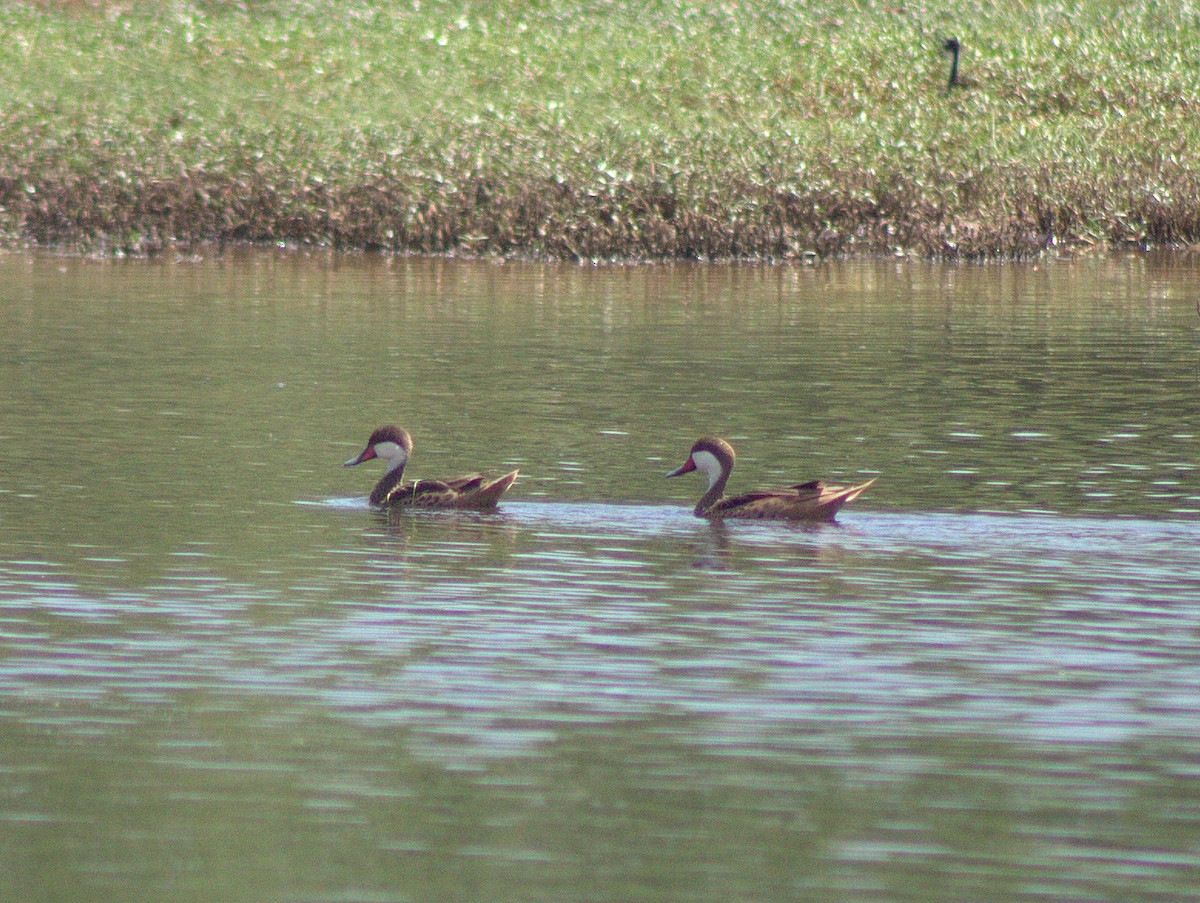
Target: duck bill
x,y
688,466
367,454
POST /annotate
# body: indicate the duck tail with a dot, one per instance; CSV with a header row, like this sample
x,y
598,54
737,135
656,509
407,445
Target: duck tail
x,y
835,497
488,495
854,492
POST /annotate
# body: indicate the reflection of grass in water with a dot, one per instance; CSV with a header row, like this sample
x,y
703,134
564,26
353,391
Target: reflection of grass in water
x,y
595,130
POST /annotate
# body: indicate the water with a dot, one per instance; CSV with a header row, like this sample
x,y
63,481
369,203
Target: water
x,y
222,677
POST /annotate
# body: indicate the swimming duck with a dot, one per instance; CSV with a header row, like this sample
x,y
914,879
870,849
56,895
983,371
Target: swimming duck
x,y
811,501
394,445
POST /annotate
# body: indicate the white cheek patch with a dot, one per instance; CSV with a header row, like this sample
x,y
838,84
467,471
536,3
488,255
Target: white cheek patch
x,y
392,452
707,462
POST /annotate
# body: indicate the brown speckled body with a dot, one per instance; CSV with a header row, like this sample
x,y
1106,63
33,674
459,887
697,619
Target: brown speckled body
x,y
473,491
811,501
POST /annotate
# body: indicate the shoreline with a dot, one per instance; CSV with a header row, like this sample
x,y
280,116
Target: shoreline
x,y
484,219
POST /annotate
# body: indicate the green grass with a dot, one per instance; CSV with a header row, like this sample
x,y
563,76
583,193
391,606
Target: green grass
x,y
595,130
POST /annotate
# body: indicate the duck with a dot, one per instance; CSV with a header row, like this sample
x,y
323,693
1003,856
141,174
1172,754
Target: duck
x,y
815,500
394,445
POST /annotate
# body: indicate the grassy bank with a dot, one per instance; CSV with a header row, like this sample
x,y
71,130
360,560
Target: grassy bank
x,y
579,128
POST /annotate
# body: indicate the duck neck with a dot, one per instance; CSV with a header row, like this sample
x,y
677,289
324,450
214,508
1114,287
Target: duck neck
x,y
716,492
391,479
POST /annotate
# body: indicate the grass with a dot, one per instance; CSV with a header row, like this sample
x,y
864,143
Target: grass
x,y
595,130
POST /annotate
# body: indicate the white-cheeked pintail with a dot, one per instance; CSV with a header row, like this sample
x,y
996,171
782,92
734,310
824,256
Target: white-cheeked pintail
x,y
394,446
811,501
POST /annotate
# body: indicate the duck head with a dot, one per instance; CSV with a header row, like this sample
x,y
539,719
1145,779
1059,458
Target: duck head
x,y
711,456
390,443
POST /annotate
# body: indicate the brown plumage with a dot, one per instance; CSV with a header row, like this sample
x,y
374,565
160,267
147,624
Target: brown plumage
x,y
394,446
811,501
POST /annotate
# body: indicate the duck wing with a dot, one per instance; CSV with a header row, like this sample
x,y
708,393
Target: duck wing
x,y
466,483
430,493
747,504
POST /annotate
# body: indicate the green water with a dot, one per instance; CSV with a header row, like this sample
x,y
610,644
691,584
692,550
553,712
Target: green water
x,y
222,677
